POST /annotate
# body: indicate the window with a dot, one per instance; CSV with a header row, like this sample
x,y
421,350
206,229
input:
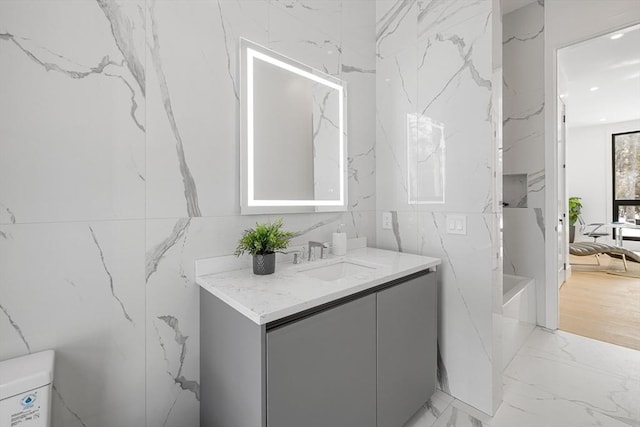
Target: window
x,y
625,151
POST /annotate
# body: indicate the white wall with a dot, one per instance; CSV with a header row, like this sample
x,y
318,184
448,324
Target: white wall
x,y
119,166
589,169
568,22
438,60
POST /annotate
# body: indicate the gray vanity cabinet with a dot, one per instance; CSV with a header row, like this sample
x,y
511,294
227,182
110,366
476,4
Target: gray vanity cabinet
x,y
321,370
368,360
406,340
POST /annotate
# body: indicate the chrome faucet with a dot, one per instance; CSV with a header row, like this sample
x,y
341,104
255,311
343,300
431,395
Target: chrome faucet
x,y
322,247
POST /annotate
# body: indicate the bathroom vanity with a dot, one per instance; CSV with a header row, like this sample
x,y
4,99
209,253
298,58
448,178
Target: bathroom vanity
x,y
348,341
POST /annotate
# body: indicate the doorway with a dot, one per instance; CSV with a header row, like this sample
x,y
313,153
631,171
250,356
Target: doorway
x,y
599,85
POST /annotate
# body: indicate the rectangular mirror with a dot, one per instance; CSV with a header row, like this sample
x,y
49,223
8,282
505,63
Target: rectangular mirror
x,y
293,135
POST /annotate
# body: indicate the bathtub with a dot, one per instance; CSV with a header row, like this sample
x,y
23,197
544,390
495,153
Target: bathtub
x,y
518,314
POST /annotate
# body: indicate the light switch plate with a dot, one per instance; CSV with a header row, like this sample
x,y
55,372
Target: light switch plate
x,y
386,220
457,224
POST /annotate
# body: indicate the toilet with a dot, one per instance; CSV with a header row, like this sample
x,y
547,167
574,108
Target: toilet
x,y
25,390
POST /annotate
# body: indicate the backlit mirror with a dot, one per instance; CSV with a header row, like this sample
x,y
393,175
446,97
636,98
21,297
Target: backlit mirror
x,y
293,135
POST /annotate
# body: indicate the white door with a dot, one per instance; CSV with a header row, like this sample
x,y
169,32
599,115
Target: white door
x,y
563,218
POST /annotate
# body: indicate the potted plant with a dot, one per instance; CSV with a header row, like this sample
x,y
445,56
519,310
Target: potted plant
x,y
575,206
263,242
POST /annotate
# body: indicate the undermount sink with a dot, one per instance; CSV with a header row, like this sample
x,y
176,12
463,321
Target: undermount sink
x,y
337,270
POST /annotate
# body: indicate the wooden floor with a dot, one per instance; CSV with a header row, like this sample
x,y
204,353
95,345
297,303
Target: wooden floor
x,y
602,306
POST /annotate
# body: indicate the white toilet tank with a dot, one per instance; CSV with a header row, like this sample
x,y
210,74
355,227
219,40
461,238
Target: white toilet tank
x,y
25,390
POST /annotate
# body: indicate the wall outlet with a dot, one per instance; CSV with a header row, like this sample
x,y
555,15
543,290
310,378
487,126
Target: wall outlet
x,y
457,224
387,219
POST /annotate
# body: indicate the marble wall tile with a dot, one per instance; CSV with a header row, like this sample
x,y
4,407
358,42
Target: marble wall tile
x,y
396,26
73,128
444,76
523,43
337,37
323,16
358,35
194,126
465,298
523,226
358,70
206,124
403,235
78,288
361,140
172,297
172,310
172,364
523,139
318,45
131,172
434,61
207,116
523,88
435,17
396,101
523,135
455,89
319,227
524,247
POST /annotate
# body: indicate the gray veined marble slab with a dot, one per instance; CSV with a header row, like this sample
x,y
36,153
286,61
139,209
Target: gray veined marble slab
x,y
556,380
289,291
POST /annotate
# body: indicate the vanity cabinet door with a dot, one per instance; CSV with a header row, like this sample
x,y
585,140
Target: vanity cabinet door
x,y
321,370
407,328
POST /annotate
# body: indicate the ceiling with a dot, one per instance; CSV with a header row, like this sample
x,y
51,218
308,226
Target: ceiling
x,y
610,65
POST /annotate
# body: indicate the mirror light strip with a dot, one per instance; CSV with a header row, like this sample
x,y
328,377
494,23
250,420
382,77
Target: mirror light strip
x,y
251,54
295,203
251,201
250,131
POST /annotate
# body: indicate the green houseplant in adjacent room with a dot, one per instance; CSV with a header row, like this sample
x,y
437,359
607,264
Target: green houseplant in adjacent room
x,y
575,206
263,242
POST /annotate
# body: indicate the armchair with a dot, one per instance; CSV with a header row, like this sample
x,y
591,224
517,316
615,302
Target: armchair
x,y
594,232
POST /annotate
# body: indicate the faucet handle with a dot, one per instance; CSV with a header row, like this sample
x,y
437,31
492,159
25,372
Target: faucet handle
x,y
299,255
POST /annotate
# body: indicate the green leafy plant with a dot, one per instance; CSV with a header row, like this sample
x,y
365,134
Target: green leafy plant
x,y
264,239
575,207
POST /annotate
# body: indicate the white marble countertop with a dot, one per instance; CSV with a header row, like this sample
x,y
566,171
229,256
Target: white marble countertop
x,y
290,290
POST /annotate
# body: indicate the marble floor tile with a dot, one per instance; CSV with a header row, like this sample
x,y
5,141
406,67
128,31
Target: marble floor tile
x,y
590,353
576,386
529,406
432,411
455,416
556,379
